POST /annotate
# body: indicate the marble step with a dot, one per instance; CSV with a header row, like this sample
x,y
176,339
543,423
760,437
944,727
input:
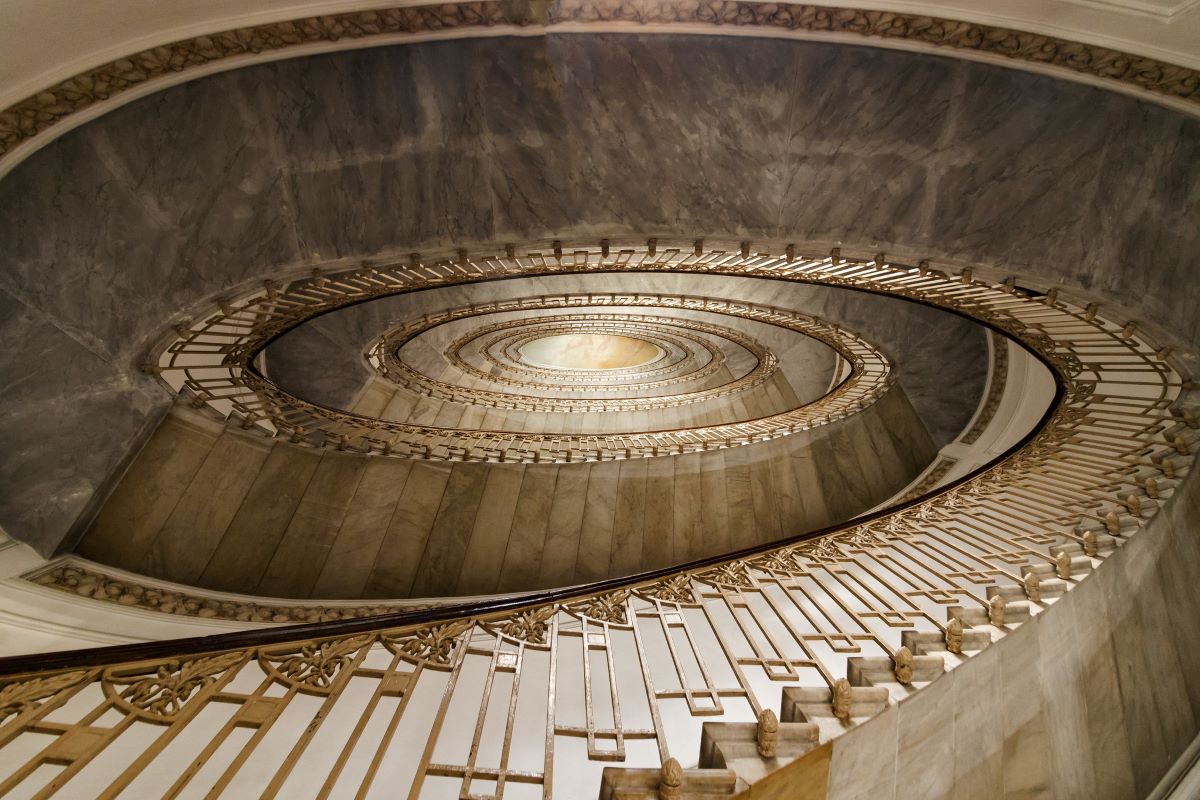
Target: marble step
x,y
894,673
755,749
671,782
856,704
1015,611
934,642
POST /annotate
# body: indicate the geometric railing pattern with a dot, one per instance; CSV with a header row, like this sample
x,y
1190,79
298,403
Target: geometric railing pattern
x,y
535,699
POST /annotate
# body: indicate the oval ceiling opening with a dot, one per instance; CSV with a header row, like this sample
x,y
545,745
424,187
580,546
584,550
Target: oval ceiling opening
x,y
589,351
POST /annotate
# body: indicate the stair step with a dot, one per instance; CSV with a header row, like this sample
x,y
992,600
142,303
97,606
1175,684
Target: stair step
x,y
882,670
735,746
929,642
622,783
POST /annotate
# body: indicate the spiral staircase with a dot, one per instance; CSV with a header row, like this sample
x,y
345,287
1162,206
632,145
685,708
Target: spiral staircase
x,y
503,400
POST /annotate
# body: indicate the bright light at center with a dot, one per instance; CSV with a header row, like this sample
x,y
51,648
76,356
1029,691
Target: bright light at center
x,y
589,351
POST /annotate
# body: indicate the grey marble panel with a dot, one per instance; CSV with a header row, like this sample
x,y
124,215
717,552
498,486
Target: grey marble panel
x,y
67,419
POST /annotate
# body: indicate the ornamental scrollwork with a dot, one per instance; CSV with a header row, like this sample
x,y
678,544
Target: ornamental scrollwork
x,y
161,691
675,589
313,665
528,626
603,608
733,575
20,696
435,645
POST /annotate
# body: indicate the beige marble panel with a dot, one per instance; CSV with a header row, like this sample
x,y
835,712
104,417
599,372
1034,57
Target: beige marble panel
x,y
629,519
740,496
361,535
764,498
492,532
1100,688
396,565
920,732
978,739
527,538
688,501
446,547
252,537
1025,768
599,514
658,536
714,506
863,764
563,528
1072,761
191,534
310,535
375,397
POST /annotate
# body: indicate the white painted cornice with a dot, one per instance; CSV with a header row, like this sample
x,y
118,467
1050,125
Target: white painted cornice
x,y
43,42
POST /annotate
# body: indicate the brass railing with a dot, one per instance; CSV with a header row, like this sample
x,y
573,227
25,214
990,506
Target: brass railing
x,y
384,353
212,361
534,698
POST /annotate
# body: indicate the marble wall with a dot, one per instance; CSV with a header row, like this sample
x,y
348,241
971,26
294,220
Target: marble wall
x,y
110,230
234,511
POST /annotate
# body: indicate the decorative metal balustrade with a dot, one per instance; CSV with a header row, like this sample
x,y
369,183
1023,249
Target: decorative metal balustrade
x,y
212,361
535,698
384,354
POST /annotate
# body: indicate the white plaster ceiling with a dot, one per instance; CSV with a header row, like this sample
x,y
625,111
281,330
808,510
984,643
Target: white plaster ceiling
x,y
45,41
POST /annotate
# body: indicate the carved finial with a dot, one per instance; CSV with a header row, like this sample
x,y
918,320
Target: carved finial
x,y
1052,296
1112,521
670,783
1062,564
903,665
1168,468
698,247
745,249
1128,330
414,260
965,276
462,255
1010,284
651,246
1181,446
271,288
835,256
841,699
790,253
1091,547
1033,586
510,250
996,609
880,258
768,733
1164,353
1134,504
923,267
1089,313
1151,487
954,635
604,245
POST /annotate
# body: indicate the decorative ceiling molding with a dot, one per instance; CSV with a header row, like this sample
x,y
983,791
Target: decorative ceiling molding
x,y
31,122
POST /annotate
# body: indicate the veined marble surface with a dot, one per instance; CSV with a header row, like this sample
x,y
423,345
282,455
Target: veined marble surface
x,y
110,230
